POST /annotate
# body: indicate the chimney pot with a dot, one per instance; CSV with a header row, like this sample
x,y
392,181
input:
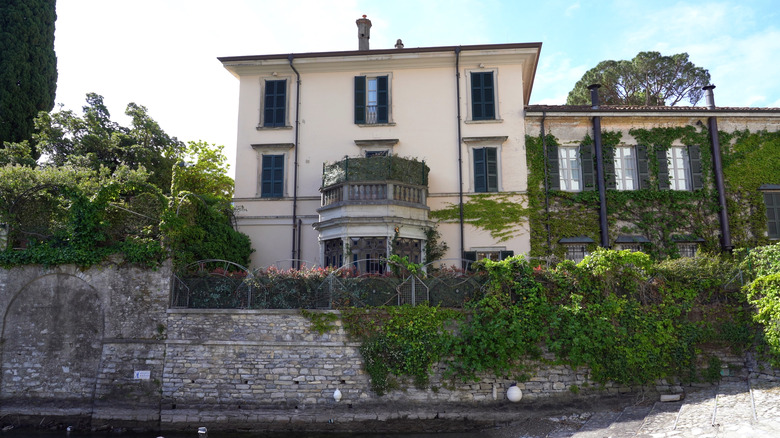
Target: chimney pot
x,y
594,95
709,96
399,44
364,32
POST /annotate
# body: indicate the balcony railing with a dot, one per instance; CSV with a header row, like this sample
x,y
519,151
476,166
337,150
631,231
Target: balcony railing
x,y
373,191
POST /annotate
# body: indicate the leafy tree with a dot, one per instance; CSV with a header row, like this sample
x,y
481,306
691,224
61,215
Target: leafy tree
x,y
94,141
28,66
648,79
206,172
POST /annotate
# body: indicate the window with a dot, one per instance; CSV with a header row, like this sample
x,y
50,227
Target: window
x,y
625,168
679,168
483,105
687,249
272,176
334,253
576,252
772,200
275,103
370,154
569,169
485,170
372,100
494,253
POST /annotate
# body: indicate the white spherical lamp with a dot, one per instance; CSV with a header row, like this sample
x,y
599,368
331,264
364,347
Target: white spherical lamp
x,y
514,394
337,395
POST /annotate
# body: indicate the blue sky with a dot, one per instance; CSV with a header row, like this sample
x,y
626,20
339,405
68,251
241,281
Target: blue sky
x,y
162,53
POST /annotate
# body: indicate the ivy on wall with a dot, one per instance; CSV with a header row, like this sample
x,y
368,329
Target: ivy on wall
x,y
661,215
501,215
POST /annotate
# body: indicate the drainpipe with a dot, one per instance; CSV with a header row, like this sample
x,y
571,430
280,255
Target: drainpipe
x,y
460,151
546,191
594,98
295,222
712,125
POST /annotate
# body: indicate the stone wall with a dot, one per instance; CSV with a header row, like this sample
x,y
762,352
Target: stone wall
x,y
100,346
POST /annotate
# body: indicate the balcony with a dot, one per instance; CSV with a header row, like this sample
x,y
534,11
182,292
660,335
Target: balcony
x,y
372,180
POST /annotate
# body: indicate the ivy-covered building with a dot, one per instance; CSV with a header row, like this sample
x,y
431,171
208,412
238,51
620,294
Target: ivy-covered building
x,y
673,179
342,156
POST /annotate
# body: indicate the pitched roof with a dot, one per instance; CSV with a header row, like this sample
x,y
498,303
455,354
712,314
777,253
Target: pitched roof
x,y
643,109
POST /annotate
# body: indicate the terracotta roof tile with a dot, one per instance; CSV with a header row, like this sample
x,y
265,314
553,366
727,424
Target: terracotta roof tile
x,y
641,108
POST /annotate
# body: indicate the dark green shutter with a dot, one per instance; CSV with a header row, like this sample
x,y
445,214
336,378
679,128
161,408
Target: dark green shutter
x,y
381,100
553,170
663,169
586,156
482,96
642,167
505,254
491,163
469,257
609,167
275,103
360,100
480,171
694,157
272,179
772,201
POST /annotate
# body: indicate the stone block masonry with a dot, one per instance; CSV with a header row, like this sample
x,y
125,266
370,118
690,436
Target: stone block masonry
x,y
100,345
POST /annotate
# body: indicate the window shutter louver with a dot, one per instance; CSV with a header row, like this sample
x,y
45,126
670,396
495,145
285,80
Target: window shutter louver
x,y
382,100
694,157
553,168
663,169
492,169
643,170
360,100
609,168
480,174
586,155
505,254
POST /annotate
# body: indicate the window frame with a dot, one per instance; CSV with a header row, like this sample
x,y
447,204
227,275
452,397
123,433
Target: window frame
x,y
272,149
470,96
285,112
361,95
620,160
676,174
482,153
277,162
565,177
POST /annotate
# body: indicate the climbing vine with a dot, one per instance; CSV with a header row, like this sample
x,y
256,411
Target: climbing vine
x,y
502,215
663,216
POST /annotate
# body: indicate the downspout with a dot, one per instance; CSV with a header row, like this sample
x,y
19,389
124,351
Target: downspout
x,y
295,235
460,152
546,187
723,214
594,98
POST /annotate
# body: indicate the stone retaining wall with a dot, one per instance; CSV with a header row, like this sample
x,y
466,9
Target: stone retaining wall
x,y
101,345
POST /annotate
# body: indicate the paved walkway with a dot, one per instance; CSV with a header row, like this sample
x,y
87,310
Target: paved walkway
x,y
736,409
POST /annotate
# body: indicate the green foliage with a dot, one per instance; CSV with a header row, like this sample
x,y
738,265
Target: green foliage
x,y
400,342
200,227
627,319
28,66
376,168
321,322
206,173
757,262
648,79
502,215
435,248
94,141
662,216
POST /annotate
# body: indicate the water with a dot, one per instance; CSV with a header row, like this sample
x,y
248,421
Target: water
x,y
30,433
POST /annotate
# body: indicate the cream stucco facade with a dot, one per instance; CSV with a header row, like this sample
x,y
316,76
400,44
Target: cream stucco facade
x,y
429,97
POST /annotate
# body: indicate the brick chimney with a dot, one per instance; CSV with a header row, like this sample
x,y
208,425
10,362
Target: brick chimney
x,y
364,32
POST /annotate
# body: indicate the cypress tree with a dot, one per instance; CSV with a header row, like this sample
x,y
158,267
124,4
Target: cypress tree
x,y
28,66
